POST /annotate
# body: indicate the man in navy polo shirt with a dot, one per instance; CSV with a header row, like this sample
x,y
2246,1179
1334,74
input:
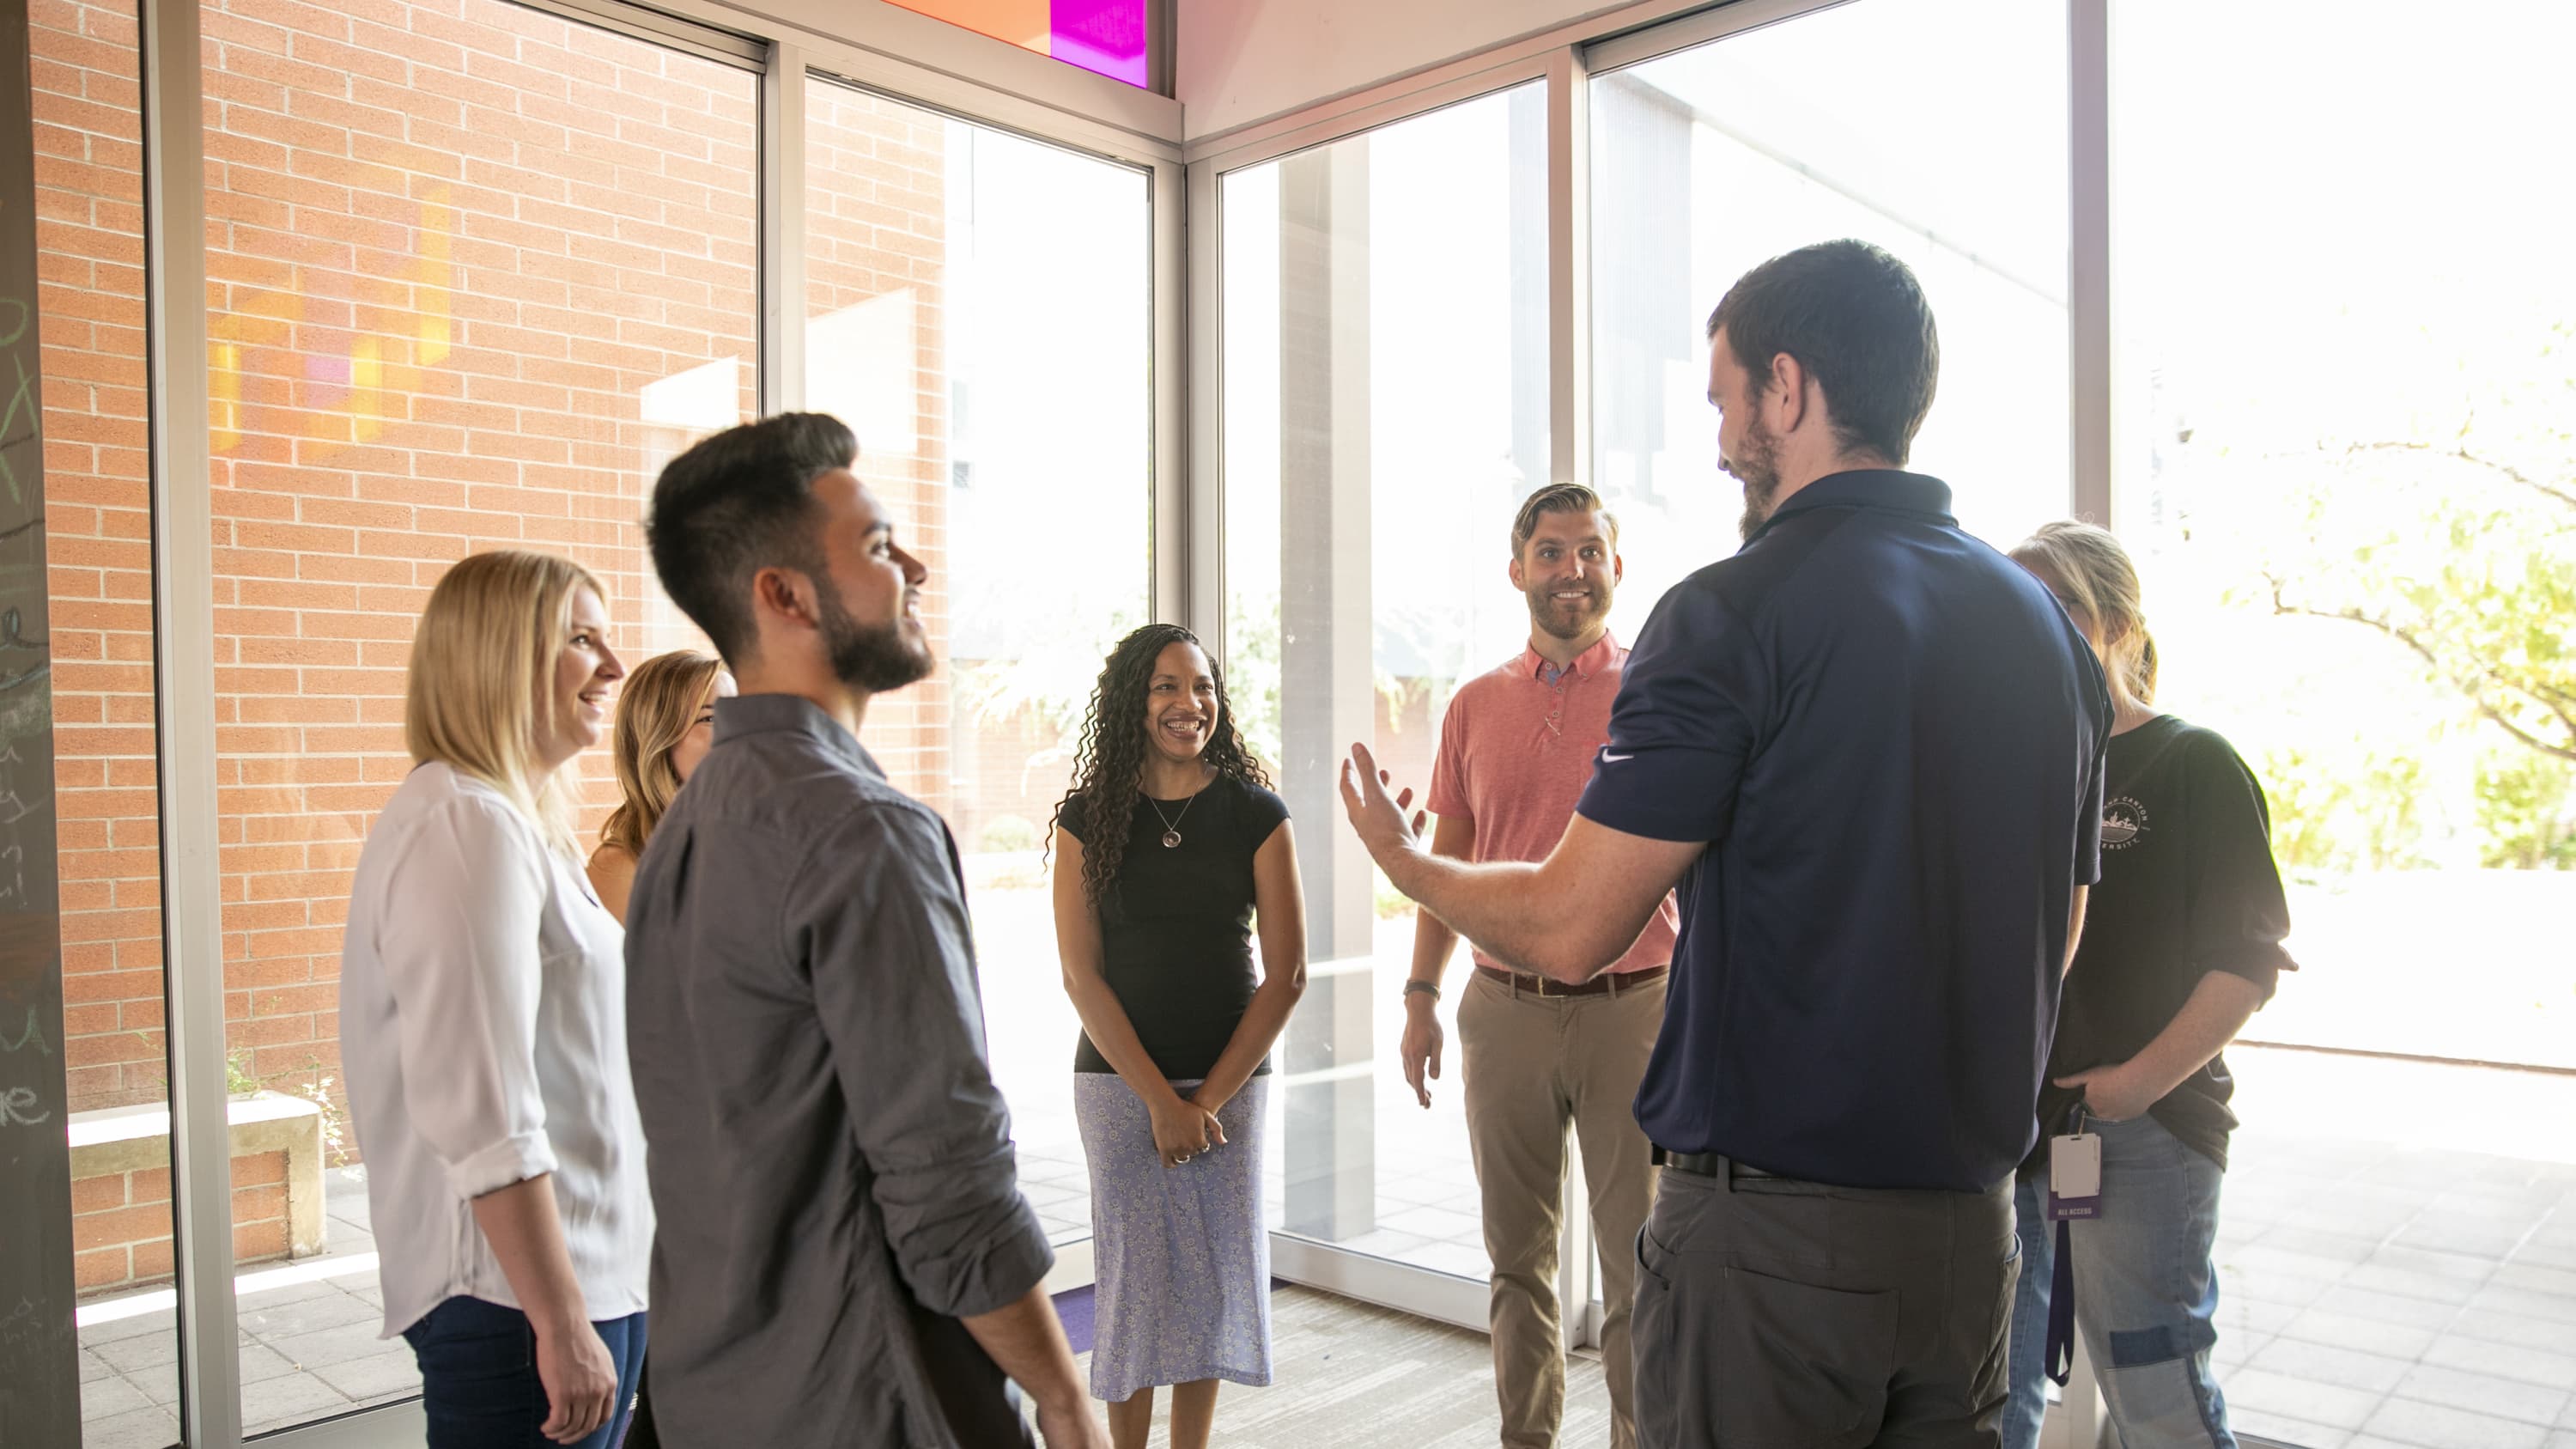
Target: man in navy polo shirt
x,y
1868,749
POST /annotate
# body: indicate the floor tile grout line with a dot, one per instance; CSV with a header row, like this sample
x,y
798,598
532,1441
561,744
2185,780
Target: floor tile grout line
x,y
2388,1394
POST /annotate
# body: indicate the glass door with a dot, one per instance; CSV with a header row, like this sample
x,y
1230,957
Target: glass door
x,y
1385,408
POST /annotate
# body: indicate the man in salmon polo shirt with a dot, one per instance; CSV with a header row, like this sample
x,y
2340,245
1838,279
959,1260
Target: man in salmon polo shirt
x,y
1516,749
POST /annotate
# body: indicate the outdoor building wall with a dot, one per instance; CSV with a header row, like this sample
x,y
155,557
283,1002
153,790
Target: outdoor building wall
x,y
475,274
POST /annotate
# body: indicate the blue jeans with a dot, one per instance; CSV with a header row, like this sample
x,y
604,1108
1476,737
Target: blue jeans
x,y
478,1376
2146,1293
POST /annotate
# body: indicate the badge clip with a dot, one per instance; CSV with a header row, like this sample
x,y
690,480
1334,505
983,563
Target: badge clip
x,y
2075,1174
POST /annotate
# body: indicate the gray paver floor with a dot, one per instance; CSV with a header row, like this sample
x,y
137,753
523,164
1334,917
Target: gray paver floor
x,y
2397,1267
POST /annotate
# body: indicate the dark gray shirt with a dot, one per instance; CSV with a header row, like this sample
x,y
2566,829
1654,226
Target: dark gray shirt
x,y
831,1165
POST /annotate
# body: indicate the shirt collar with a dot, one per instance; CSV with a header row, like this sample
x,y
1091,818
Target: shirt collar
x,y
1586,664
1890,489
755,714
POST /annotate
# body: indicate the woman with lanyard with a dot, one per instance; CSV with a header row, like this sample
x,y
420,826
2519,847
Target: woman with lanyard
x,y
1169,844
2181,944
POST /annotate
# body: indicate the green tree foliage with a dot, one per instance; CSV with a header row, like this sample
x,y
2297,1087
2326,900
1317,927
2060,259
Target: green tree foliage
x,y
2461,554
2526,812
2343,806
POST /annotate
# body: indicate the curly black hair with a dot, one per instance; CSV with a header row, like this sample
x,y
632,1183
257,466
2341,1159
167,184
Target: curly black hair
x,y
1111,761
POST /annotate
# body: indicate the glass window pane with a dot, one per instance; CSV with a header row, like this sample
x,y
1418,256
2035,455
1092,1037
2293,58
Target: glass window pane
x,y
1385,411
89,235
2345,470
477,272
951,271
1933,128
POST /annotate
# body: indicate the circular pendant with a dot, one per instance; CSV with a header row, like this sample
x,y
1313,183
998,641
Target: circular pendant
x,y
1171,840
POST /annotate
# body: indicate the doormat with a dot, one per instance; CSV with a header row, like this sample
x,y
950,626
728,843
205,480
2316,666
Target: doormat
x,y
1076,1306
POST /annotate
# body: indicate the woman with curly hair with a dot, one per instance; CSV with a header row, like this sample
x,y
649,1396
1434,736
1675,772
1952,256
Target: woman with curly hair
x,y
666,723
1170,844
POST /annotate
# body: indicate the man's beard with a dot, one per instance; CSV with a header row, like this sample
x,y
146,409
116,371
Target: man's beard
x,y
1545,614
874,657
1758,468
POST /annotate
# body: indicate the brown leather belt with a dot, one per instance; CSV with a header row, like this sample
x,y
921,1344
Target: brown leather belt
x,y
1608,983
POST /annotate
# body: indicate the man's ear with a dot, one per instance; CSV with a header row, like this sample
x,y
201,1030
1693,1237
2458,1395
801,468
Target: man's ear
x,y
786,593
1790,376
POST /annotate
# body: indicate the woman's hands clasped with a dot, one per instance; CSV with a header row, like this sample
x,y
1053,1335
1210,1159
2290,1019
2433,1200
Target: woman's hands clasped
x,y
1183,1129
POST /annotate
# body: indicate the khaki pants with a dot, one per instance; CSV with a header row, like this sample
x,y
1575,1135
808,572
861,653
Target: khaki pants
x,y
1534,1065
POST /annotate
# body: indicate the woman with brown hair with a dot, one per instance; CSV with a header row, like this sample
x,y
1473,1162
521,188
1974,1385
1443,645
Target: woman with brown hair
x,y
666,722
483,1021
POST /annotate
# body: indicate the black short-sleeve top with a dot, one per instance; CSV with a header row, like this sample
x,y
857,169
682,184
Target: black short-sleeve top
x,y
2188,887
1176,936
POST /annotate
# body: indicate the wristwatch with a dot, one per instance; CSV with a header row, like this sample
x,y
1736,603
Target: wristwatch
x,y
1418,984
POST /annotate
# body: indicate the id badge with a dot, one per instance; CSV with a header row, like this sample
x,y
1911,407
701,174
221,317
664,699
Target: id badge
x,y
2074,1176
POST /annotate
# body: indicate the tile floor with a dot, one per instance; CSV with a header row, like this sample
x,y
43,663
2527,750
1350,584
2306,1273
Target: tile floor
x,y
2397,1272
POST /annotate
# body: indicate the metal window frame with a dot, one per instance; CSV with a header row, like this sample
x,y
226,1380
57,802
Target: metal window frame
x,y
183,667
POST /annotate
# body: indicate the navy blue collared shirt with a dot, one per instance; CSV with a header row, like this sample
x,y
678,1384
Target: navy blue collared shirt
x,y
1891,739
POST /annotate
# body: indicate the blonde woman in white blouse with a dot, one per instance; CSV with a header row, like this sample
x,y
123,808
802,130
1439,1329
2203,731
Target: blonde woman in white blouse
x,y
483,1027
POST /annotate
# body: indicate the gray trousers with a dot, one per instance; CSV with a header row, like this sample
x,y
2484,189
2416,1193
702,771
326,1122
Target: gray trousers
x,y
1777,1314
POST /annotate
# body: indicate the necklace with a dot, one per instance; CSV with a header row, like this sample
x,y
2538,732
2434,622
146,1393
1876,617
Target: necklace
x,y
1171,823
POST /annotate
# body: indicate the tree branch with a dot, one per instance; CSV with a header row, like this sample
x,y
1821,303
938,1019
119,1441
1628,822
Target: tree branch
x,y
2560,492
2473,686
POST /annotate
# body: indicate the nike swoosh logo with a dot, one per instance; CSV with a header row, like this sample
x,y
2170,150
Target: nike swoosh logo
x,y
1608,758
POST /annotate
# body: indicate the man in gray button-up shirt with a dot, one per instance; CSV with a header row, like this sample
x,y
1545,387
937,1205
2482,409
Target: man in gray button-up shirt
x,y
844,1257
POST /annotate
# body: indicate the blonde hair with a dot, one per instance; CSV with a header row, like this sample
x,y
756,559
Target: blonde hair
x,y
481,688
655,711
2092,576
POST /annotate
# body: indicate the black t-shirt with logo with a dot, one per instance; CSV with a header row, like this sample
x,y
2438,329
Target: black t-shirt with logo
x,y
1176,942
2188,887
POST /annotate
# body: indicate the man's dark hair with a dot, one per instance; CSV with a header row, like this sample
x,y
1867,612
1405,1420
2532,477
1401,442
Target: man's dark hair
x,y
735,504
1855,318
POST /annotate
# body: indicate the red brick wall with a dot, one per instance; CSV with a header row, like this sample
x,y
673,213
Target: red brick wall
x,y
450,244
89,234
876,209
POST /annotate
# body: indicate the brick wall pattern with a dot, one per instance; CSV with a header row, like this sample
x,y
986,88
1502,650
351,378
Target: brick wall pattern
x,y
475,273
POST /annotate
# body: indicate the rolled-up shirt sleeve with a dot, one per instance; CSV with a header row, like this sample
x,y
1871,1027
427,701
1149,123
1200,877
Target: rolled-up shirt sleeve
x,y
461,961
2239,915
880,919
1681,730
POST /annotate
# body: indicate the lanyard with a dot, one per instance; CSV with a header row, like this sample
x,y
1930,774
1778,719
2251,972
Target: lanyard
x,y
2058,1357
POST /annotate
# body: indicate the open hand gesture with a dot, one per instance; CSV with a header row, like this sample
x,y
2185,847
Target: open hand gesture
x,y
1380,820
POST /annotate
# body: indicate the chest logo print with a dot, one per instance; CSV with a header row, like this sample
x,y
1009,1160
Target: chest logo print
x,y
2124,823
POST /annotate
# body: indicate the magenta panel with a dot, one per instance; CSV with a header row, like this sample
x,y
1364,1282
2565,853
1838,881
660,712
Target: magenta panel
x,y
1107,36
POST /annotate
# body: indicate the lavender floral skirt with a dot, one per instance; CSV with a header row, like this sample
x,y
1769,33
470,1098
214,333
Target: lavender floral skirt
x,y
1181,1261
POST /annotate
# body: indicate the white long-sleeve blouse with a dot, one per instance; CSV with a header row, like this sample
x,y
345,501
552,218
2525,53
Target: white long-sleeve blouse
x,y
483,1038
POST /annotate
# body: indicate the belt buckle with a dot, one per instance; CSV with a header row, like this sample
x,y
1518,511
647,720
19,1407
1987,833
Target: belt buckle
x,y
1541,989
